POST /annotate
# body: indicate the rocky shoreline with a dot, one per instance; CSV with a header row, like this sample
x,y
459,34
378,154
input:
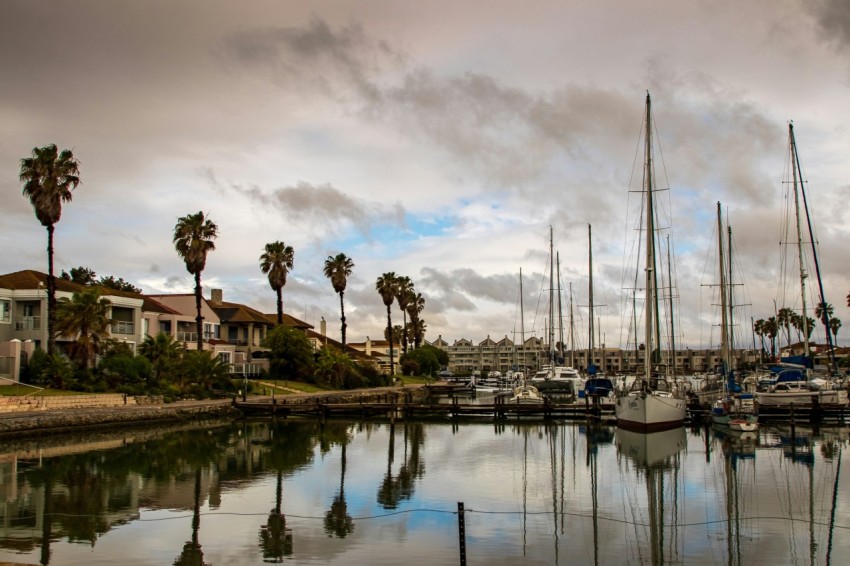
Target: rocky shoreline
x,y
58,421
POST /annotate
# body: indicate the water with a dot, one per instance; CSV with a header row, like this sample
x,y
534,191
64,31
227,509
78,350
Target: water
x,y
371,493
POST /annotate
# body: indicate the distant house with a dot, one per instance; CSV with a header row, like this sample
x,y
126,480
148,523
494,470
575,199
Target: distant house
x,y
23,317
378,352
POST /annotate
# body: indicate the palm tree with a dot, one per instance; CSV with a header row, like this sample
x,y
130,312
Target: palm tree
x,y
386,287
414,309
834,325
760,330
49,177
277,261
771,326
784,319
162,351
337,269
86,317
823,312
403,294
193,239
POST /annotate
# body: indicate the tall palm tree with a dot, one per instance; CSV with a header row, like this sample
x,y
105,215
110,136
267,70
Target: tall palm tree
x,y
784,319
760,330
834,325
404,293
277,260
772,328
193,239
414,309
86,317
386,287
163,352
337,269
49,177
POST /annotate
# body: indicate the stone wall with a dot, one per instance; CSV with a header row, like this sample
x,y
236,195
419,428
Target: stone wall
x,y
43,403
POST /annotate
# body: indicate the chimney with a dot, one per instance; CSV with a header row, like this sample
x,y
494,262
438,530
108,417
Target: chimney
x,y
368,346
216,296
323,327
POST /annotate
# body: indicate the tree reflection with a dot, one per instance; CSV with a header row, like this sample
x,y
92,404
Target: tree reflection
x,y
192,554
275,538
337,520
287,449
393,490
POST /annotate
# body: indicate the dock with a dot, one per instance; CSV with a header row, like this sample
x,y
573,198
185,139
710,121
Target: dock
x,y
406,409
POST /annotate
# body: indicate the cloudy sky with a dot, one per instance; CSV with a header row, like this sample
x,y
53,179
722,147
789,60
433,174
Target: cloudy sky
x,y
439,140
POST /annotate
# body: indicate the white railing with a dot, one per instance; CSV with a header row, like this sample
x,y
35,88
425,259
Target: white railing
x,y
121,327
28,323
187,336
247,369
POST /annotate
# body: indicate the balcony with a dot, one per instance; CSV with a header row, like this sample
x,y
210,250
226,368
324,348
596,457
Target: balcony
x,y
187,336
121,327
28,323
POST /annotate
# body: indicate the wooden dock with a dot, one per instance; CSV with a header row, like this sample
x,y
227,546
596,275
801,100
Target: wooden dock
x,y
392,410
459,407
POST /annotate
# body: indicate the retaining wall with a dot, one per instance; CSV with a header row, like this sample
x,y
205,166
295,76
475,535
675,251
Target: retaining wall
x,y
43,403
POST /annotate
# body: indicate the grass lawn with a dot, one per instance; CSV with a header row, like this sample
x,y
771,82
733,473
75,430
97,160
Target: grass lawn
x,y
415,380
15,390
283,387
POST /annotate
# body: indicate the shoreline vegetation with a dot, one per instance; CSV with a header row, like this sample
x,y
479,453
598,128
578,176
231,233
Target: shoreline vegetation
x,y
54,421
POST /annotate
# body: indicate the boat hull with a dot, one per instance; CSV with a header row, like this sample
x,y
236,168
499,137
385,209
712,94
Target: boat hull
x,y
802,398
647,412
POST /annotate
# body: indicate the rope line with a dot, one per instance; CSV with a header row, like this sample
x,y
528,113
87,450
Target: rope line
x,y
474,511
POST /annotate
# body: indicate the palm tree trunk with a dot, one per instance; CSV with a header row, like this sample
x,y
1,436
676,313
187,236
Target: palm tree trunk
x,y
199,320
342,318
51,294
279,306
390,338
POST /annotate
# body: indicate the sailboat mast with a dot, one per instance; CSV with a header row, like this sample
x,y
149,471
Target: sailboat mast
x,y
560,312
551,302
521,321
672,318
724,308
825,314
651,289
731,302
803,274
572,331
590,343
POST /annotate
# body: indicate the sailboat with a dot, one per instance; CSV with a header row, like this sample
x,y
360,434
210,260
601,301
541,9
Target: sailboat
x,y
597,387
652,402
554,377
735,408
793,383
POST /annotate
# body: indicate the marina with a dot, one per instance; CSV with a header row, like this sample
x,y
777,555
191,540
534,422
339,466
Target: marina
x,y
313,492
452,401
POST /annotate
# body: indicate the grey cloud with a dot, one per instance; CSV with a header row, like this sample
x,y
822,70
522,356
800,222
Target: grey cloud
x,y
173,282
307,204
833,17
317,54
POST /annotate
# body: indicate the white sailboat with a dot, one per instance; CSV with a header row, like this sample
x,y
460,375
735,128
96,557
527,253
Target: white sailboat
x,y
554,377
652,402
734,408
794,383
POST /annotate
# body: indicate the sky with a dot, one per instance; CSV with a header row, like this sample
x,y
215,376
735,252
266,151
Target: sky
x,y
438,140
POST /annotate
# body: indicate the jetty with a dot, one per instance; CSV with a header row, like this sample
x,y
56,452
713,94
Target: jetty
x,y
407,405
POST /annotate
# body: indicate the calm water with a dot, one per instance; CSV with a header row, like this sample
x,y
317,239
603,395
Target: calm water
x,y
370,493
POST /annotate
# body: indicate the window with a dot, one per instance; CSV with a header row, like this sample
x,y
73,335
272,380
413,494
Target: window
x,y
5,310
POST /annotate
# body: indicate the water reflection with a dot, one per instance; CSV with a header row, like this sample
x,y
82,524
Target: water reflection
x,y
535,493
